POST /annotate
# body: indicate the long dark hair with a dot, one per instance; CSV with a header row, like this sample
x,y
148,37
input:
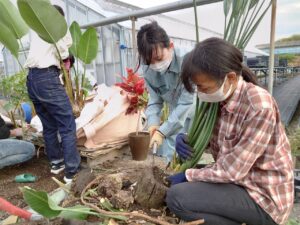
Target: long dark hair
x,y
215,57
150,37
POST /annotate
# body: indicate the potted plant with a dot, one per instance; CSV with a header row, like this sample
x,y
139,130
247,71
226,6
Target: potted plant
x,y
137,96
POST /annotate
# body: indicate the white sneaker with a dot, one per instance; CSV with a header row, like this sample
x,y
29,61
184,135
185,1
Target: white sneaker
x,y
57,168
68,180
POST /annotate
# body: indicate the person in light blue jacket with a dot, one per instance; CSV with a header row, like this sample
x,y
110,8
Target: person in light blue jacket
x,y
161,65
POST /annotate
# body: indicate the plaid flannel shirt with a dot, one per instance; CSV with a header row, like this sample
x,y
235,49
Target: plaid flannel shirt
x,y
251,149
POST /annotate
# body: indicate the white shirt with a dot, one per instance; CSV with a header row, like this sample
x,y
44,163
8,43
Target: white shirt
x,y
80,71
43,54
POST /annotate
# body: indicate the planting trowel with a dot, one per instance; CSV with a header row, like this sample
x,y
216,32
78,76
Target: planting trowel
x,y
154,151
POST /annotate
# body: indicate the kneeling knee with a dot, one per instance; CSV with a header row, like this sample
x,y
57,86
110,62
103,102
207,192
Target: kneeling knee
x,y
173,198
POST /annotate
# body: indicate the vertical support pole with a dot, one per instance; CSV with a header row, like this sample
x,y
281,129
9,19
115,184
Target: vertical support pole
x,y
103,54
134,47
196,21
122,51
272,46
4,55
112,46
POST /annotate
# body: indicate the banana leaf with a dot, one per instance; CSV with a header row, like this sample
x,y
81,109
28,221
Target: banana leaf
x,y
44,19
8,39
40,202
10,16
88,46
76,35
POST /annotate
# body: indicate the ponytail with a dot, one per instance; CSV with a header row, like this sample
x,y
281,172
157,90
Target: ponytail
x,y
248,75
216,58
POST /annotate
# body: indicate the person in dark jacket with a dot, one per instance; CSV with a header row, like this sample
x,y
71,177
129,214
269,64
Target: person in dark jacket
x,y
13,151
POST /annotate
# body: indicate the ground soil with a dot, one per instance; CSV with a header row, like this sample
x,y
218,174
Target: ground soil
x,y
129,184
39,167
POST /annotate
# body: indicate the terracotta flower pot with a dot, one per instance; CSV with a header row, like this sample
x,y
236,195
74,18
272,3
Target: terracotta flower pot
x,y
139,145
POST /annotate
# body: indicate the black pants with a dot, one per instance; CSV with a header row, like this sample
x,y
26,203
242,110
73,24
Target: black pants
x,y
217,204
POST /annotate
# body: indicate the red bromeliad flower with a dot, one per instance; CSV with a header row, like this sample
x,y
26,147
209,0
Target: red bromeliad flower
x,y
137,93
132,78
140,87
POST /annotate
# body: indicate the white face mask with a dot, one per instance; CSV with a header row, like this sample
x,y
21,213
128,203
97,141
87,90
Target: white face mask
x,y
162,66
217,96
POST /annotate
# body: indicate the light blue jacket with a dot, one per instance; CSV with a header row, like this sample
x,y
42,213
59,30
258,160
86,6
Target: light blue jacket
x,y
167,87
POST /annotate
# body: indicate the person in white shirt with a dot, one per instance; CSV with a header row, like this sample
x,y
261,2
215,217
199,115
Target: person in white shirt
x,y
52,104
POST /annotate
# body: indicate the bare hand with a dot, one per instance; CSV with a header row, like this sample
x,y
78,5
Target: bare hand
x,y
18,132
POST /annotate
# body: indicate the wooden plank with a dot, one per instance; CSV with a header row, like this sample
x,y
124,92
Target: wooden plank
x,y
107,157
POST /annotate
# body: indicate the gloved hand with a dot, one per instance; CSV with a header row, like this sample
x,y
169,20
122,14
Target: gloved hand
x,y
157,137
177,178
182,147
152,129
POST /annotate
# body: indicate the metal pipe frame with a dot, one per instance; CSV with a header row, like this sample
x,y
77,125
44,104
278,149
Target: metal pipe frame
x,y
183,4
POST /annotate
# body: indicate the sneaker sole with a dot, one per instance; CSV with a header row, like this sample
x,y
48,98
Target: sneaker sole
x,y
57,171
68,181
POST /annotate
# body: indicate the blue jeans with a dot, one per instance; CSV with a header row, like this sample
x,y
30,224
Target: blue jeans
x,y
53,107
14,151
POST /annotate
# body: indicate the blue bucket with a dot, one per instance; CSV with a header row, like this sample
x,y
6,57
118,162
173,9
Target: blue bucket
x,y
26,107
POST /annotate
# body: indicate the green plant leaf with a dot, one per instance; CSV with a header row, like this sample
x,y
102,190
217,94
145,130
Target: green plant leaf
x,y
40,202
8,39
237,5
236,31
8,107
88,46
253,27
253,3
44,205
293,222
77,212
11,17
44,19
226,6
76,35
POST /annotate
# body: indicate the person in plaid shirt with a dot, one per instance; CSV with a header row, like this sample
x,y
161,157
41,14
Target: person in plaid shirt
x,y
251,180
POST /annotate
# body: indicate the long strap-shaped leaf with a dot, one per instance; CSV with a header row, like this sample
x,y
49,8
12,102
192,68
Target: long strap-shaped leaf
x,y
250,33
204,136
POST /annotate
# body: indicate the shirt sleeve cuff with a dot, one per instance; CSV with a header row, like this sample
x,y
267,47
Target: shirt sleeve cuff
x,y
189,174
153,121
165,130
